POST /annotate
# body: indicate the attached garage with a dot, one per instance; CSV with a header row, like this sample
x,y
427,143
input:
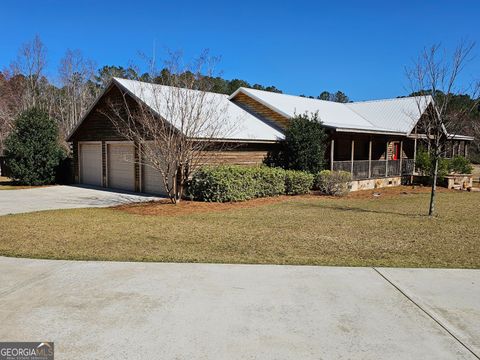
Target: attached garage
x,y
152,182
121,166
90,163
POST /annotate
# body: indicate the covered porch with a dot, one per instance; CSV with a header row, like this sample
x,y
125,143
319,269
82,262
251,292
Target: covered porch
x,y
374,156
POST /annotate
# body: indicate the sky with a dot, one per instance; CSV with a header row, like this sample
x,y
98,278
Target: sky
x,y
301,47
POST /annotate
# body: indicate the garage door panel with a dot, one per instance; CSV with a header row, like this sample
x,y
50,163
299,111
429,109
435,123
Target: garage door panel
x,y
90,158
152,181
121,166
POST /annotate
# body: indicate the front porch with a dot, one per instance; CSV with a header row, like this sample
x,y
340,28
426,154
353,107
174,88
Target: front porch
x,y
377,157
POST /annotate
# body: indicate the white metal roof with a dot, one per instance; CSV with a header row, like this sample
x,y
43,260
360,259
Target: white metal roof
x,y
239,124
386,116
399,114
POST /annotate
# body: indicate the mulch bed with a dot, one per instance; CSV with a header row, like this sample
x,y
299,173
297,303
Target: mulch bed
x,y
185,207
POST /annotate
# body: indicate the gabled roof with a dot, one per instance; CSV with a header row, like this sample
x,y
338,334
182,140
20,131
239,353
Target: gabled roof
x,y
397,116
241,125
238,123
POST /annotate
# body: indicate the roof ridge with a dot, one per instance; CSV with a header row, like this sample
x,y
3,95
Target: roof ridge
x,y
380,100
296,96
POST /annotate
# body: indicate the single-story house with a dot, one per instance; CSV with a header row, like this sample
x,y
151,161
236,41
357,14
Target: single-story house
x,y
376,141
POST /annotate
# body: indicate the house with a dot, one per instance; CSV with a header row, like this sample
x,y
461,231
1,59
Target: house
x,y
376,141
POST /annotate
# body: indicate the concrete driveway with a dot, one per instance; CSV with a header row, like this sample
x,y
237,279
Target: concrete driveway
x,y
95,310
63,197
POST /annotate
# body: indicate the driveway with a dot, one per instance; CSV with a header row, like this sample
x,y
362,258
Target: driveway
x,y
94,310
63,197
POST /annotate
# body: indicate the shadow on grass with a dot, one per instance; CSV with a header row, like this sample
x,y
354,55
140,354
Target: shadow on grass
x,y
360,210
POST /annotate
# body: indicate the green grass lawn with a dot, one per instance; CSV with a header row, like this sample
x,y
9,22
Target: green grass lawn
x,y
391,230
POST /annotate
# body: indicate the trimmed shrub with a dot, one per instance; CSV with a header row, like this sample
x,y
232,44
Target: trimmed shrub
x,y
298,182
269,181
335,183
235,183
238,183
32,150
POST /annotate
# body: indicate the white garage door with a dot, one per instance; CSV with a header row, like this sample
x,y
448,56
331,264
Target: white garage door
x,y
152,181
90,157
121,167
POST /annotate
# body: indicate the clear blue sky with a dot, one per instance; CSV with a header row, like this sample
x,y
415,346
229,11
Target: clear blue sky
x,y
360,47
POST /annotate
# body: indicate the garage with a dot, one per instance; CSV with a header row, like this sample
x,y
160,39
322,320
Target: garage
x,y
152,181
121,166
90,161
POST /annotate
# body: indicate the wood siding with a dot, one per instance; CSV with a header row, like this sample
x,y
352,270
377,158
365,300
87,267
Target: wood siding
x,y
98,127
261,110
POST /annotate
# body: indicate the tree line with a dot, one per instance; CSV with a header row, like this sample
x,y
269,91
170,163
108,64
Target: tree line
x,y
67,94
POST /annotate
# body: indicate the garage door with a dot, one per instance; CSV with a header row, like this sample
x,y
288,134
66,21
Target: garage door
x,y
90,156
121,167
152,181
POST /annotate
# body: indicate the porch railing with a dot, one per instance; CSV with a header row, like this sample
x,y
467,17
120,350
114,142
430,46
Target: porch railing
x,y
364,169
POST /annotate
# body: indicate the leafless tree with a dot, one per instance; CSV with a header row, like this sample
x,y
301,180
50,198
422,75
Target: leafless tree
x,y
437,75
76,89
178,121
31,62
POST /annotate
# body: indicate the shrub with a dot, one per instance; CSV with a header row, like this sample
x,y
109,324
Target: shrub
x,y
460,165
235,183
424,164
269,181
335,183
304,145
298,182
32,150
238,183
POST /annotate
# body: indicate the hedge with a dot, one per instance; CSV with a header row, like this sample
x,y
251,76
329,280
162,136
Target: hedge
x,y
238,183
333,182
298,182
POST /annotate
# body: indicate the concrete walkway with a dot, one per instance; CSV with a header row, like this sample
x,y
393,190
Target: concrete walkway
x,y
63,197
94,310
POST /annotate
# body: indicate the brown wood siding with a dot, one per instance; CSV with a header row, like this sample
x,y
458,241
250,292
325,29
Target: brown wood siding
x,y
242,157
98,127
260,110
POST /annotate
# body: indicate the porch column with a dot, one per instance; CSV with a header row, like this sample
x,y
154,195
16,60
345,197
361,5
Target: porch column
x,y
466,149
332,151
370,159
386,160
401,157
414,155
352,156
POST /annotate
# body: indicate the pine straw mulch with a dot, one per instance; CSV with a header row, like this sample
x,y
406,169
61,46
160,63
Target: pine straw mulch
x,y
165,208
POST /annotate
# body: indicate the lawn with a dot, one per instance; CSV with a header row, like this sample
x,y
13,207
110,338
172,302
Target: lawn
x,y
360,230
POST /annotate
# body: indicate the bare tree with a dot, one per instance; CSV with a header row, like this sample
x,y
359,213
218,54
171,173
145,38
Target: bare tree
x,y
31,62
77,90
177,122
436,76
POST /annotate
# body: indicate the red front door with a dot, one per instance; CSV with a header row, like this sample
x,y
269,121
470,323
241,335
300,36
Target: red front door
x,y
396,151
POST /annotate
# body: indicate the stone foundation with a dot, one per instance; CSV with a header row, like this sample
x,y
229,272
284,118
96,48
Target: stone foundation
x,y
369,184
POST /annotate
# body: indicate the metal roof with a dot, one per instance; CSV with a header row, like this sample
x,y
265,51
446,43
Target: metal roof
x,y
238,124
385,116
